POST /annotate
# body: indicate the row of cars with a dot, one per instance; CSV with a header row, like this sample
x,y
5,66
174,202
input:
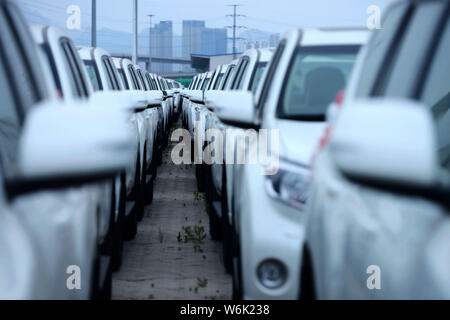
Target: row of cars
x,y
353,200
82,135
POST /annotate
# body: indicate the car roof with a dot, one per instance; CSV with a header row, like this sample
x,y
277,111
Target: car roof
x,y
334,36
37,31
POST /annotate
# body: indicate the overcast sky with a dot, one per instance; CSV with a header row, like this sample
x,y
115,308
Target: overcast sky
x,y
271,16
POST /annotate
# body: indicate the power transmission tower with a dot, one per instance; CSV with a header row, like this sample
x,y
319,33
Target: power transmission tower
x,y
135,31
235,26
94,24
150,42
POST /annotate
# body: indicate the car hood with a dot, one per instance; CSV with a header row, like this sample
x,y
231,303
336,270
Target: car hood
x,y
299,139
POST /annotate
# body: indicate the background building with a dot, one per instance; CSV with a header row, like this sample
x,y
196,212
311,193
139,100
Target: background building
x,y
214,41
198,39
162,45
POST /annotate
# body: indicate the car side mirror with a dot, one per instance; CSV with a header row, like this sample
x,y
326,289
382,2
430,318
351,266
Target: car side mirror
x,y
235,107
387,142
70,144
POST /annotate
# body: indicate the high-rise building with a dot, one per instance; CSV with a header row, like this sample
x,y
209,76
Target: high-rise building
x,y
161,43
192,36
214,41
197,39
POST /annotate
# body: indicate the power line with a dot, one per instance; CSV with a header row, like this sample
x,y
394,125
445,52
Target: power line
x,y
234,27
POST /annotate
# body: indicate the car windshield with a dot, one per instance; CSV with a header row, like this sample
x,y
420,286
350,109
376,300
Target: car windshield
x,y
315,77
260,67
93,75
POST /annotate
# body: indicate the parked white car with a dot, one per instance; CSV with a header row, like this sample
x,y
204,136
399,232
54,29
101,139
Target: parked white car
x,y
245,77
377,218
49,150
100,66
101,200
306,72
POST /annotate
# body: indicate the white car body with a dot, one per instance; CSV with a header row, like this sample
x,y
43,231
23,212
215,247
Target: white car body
x,y
351,226
96,56
269,229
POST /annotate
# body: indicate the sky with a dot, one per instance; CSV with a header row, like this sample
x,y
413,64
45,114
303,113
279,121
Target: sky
x,y
274,16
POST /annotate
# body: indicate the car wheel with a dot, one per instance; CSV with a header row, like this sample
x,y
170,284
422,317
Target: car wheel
x,y
227,232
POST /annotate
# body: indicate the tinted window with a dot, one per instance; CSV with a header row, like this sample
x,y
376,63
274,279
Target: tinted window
x,y
377,49
124,79
240,74
228,77
17,64
436,95
401,78
93,75
133,77
315,76
218,81
205,83
259,70
9,125
270,74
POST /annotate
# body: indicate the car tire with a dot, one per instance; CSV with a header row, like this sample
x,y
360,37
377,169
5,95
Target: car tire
x,y
227,232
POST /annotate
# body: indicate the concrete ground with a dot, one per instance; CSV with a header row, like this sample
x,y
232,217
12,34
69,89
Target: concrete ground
x,y
158,263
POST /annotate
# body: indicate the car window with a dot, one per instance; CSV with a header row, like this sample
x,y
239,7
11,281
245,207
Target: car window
x,y
149,81
114,73
18,66
93,74
205,83
37,86
240,74
436,95
402,74
315,76
269,78
10,124
227,77
48,56
218,81
136,84
68,65
259,71
141,78
377,49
